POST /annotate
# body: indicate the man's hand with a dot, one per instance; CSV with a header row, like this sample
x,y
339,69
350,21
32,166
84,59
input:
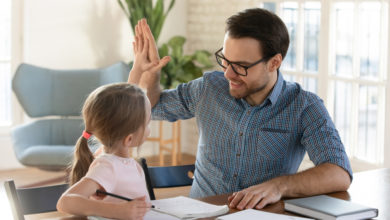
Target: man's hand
x,y
321,179
256,196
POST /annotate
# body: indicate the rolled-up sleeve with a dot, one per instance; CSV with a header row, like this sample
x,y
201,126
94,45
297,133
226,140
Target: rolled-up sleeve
x,y
321,139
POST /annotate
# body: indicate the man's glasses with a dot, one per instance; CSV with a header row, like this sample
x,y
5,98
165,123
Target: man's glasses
x,y
237,68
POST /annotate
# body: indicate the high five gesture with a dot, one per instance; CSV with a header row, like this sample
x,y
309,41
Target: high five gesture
x,y
147,63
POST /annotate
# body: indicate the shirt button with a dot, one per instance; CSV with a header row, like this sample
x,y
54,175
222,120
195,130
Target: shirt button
x,y
248,112
238,154
235,175
241,134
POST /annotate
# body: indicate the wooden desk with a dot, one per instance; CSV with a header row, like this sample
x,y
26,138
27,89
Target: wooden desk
x,y
371,188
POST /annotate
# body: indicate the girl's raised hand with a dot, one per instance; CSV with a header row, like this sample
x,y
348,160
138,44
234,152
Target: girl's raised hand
x,y
141,61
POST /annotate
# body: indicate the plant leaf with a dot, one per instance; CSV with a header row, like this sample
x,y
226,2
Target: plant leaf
x,y
163,50
159,24
158,13
123,8
170,7
148,10
176,43
202,57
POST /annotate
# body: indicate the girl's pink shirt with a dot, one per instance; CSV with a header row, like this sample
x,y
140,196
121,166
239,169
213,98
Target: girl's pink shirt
x,y
118,175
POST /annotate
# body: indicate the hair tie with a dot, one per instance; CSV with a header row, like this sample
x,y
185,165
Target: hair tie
x,y
86,135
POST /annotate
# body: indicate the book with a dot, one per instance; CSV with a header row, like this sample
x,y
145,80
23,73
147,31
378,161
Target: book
x,y
326,207
186,208
252,214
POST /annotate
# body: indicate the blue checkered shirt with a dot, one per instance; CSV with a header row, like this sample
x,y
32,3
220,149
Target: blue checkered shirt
x,y
242,145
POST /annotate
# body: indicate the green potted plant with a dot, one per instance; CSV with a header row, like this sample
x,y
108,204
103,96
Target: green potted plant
x,y
181,68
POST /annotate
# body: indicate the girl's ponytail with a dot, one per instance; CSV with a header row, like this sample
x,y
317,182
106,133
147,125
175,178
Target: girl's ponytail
x,y
111,113
83,157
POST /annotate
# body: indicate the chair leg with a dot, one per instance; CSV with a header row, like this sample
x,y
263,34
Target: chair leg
x,y
12,195
147,179
161,144
175,149
179,142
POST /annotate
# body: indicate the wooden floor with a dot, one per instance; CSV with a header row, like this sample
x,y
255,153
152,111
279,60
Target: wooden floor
x,y
32,176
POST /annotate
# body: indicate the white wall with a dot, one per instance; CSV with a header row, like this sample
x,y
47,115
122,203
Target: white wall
x,y
207,21
68,34
84,34
7,156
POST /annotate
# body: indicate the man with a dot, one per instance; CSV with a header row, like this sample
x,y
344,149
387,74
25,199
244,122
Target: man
x,y
254,126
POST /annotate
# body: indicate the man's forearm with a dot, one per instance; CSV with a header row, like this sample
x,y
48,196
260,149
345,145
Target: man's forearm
x,y
322,179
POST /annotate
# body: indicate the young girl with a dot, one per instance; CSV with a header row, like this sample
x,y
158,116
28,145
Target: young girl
x,y
118,115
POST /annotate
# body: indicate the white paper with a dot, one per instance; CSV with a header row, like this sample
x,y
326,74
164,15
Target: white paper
x,y
153,215
187,208
252,214
98,218
150,215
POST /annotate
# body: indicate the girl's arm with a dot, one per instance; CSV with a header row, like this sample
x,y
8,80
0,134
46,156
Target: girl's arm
x,y
76,201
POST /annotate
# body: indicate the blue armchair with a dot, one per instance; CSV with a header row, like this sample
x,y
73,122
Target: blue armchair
x,y
55,98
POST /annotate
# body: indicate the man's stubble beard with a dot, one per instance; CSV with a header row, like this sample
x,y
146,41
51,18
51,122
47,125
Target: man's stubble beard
x,y
248,92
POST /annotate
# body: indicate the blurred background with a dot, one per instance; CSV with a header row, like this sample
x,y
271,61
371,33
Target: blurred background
x,y
338,50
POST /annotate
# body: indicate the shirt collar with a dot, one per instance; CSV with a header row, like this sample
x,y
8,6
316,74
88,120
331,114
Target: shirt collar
x,y
273,96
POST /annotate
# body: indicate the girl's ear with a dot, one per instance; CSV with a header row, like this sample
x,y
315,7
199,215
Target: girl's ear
x,y
128,141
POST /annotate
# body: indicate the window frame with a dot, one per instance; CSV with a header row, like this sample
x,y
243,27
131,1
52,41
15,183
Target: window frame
x,y
386,145
326,64
15,60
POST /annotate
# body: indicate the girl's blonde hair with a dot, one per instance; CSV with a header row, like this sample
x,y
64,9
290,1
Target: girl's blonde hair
x,y
110,113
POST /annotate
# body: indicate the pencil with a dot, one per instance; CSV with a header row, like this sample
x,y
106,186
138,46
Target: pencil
x,y
98,191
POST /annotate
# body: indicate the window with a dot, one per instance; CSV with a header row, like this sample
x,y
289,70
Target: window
x,y
303,22
359,40
5,63
343,45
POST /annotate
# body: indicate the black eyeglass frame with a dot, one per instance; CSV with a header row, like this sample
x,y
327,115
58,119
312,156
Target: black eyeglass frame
x,y
218,55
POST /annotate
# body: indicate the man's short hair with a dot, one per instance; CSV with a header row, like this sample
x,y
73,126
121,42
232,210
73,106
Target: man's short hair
x,y
262,25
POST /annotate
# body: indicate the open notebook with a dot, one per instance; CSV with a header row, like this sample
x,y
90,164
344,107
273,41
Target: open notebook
x,y
180,207
187,208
